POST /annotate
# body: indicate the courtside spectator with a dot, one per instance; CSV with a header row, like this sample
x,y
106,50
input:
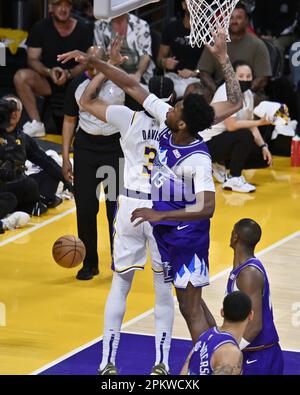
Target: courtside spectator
x,y
9,219
136,43
276,21
237,141
45,76
176,57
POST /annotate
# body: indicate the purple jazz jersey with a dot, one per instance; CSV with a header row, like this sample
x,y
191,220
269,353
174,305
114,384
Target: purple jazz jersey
x,y
168,190
207,344
263,362
182,245
269,360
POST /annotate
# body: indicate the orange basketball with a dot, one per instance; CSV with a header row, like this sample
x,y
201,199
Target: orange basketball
x,y
68,251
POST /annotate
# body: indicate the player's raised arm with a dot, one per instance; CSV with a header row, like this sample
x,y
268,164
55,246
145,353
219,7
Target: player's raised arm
x,y
234,101
114,74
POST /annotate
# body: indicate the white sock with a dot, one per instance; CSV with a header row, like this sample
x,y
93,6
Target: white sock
x,y
164,318
113,316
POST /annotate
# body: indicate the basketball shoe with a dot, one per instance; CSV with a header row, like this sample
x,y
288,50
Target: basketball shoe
x,y
34,129
87,273
109,369
219,172
238,184
15,220
159,370
38,209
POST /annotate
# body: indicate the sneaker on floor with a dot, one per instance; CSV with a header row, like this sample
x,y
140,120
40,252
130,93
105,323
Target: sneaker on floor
x,y
52,203
109,369
87,273
15,220
34,129
159,370
39,209
219,172
238,184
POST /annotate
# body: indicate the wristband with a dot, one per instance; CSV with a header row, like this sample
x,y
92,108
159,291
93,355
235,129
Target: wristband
x,y
263,146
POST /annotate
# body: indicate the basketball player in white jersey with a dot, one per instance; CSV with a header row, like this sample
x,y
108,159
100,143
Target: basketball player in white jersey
x,y
139,142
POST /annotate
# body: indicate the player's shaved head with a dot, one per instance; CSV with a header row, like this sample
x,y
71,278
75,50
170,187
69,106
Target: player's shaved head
x,y
248,232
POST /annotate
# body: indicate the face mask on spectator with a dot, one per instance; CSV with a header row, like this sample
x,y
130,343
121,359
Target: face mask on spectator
x,y
245,85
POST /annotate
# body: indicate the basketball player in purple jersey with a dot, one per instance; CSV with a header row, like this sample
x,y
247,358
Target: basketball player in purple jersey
x,y
183,193
183,168
260,344
217,350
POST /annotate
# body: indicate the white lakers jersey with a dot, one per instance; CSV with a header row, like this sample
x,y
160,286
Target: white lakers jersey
x,y
139,142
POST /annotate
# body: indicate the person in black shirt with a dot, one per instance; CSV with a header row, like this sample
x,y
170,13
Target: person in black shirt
x,y
15,148
45,76
176,55
276,20
9,219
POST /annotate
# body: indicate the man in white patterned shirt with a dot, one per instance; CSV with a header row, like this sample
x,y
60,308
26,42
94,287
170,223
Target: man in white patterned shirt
x,y
136,43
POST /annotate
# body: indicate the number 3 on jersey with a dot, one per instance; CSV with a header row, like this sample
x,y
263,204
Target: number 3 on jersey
x,y
150,153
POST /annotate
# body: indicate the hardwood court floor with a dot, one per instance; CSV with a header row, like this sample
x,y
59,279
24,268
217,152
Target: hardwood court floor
x,y
45,312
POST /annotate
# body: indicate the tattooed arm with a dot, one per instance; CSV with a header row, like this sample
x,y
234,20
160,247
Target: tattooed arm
x,y
227,360
234,101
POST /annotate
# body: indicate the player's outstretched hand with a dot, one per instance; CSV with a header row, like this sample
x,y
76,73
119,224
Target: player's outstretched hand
x,y
115,56
219,49
145,214
78,56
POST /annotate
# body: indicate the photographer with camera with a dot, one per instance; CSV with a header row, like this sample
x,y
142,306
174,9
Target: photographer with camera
x,y
15,148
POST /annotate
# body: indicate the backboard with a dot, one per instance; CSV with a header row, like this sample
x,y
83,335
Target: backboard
x,y
104,9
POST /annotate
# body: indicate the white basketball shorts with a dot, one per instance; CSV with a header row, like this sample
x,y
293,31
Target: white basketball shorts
x,y
130,243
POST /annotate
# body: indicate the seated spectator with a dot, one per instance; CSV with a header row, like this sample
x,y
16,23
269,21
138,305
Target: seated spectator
x,y
45,76
16,147
243,46
237,141
83,11
136,44
176,57
276,20
48,185
8,218
200,88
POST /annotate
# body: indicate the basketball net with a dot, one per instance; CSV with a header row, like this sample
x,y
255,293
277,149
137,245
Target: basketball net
x,y
206,18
